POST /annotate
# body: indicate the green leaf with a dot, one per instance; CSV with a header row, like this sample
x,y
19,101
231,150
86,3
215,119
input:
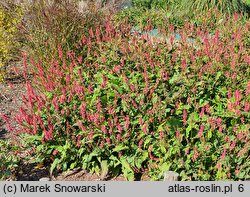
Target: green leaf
x,y
40,148
189,128
96,169
169,14
219,73
54,164
49,95
116,171
104,168
168,110
165,167
65,166
155,98
32,138
73,165
196,116
115,160
146,142
141,159
160,127
179,111
60,149
119,148
209,134
127,170
173,79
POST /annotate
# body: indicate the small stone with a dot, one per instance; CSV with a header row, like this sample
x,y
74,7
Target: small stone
x,y
44,179
171,176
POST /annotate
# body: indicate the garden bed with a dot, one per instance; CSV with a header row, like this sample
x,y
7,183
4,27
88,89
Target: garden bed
x,y
131,103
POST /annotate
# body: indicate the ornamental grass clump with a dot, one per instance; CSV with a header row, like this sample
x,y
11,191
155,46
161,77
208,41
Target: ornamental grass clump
x,y
123,103
57,22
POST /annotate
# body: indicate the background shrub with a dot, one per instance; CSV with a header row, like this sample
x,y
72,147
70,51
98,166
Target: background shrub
x,y
10,17
202,13
120,102
227,6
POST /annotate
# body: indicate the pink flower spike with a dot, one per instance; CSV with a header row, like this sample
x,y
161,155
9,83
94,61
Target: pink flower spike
x,y
223,154
79,59
248,87
229,94
60,52
177,134
127,122
246,107
183,64
118,126
145,128
141,143
161,135
232,146
218,165
201,130
104,129
207,108
184,117
202,112
237,96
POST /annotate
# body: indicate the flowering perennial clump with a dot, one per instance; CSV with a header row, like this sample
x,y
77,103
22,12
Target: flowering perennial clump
x,y
120,102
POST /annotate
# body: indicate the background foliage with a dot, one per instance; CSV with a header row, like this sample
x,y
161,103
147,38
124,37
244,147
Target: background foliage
x,y
9,19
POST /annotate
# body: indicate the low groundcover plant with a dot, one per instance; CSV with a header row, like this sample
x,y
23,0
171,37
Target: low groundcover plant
x,y
130,104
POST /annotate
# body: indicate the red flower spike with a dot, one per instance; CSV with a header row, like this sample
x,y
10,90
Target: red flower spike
x,y
184,116
202,112
232,146
145,128
60,52
177,134
127,122
200,133
104,130
195,155
246,106
223,154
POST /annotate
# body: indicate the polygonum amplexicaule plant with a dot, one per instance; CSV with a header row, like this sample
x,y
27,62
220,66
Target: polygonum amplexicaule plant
x,y
128,104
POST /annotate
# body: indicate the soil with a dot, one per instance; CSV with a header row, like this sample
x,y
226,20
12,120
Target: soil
x,y
29,172
11,98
